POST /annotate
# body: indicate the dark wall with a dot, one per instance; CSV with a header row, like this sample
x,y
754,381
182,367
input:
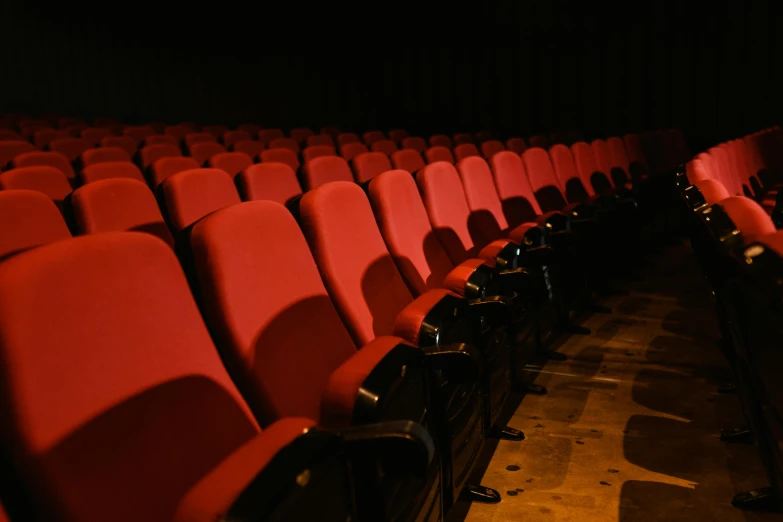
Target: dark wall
x,y
515,67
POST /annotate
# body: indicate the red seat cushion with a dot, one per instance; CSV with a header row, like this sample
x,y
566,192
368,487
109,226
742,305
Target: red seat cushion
x,y
36,221
192,194
44,179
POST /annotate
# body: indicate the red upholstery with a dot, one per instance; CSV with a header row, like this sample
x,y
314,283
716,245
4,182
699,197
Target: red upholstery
x,y
126,143
144,408
162,139
633,146
111,169
71,148
491,147
317,151
517,198
201,152
269,135
407,159
370,137
347,137
93,135
42,137
409,321
416,143
10,149
286,156
542,177
565,168
369,164
539,140
331,131
749,218
138,134
192,194
151,153
49,159
325,170
255,302
103,155
602,156
516,145
269,181
465,150
165,167
438,153
9,135
352,149
250,128
696,170
231,162
285,143
397,135
231,137
774,242
216,130
36,221
250,147
118,205
192,138
618,155
178,131
387,147
441,140
463,138
319,140
712,190
44,179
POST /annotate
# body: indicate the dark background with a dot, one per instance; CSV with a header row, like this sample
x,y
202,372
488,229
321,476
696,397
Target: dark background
x,y
515,67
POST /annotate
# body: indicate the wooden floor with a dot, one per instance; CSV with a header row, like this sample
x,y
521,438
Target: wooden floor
x,y
629,430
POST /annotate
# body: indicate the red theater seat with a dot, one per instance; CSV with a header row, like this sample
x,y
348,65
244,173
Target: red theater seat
x,y
250,128
621,164
165,167
115,205
347,137
370,137
300,134
94,135
539,140
415,143
286,156
138,134
438,153
267,136
712,190
638,163
465,150
36,221
324,170
352,149
162,139
318,140
285,143
125,143
192,194
516,196
232,137
516,145
216,130
192,138
110,169
571,183
151,153
50,159
9,135
369,164
463,138
491,147
748,217
42,137
104,154
71,148
178,131
269,181
407,159
543,180
317,151
250,147
201,152
231,162
441,140
44,179
10,149
387,147
397,135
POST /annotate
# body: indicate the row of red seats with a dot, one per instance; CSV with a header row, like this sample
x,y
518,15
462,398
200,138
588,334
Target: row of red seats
x,y
740,250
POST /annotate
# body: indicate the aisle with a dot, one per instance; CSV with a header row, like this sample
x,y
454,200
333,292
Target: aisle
x,y
629,429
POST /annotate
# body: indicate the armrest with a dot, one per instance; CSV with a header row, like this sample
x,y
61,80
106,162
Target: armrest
x,y
501,254
492,311
401,445
459,361
540,256
472,279
556,220
517,279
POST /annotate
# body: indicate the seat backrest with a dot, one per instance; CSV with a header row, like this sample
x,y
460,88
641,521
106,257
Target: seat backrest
x,y
749,217
132,384
9,135
397,135
712,190
50,159
320,140
286,156
358,271
71,148
517,198
125,143
36,221
465,150
491,147
192,194
94,135
44,179
216,130
347,137
369,164
407,159
619,157
405,226
444,198
285,143
165,167
441,140
516,145
352,149
416,143
116,205
462,138
269,181
151,153
138,134
300,134
696,170
111,169
250,147
543,180
317,151
387,147
325,170
486,211
201,152
161,139
250,128
255,303
103,155
232,162
12,148
270,135
568,174
594,171
601,155
438,153
371,137
231,137
539,140
42,137
192,138
633,145
178,131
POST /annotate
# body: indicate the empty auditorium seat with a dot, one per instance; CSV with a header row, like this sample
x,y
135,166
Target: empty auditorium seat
x,y
138,134
216,130
352,149
638,163
104,154
325,170
29,128
251,128
71,148
285,143
407,159
712,190
118,204
178,131
748,217
574,183
543,180
465,150
42,137
162,139
463,138
286,156
621,163
250,147
387,147
149,154
397,135
191,126
50,159
125,143
441,140
231,137
317,151
9,135
93,135
482,136
231,162
438,153
165,167
47,180
192,194
331,131
317,140
192,138
369,164
36,221
491,147
110,169
269,181
10,149
300,134
516,145
370,137
347,137
416,143
267,136
201,152
539,140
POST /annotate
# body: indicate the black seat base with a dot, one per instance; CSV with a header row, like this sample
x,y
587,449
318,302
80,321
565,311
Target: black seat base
x,y
479,493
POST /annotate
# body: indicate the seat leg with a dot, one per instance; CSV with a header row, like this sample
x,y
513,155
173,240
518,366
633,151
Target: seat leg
x,y
764,499
737,436
479,493
506,433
